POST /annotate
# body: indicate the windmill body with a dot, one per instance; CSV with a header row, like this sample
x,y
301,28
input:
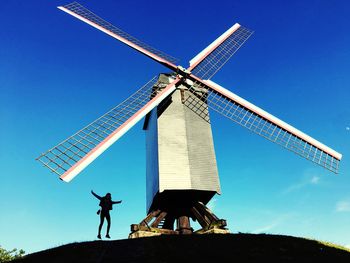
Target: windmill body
x,y
181,167
180,149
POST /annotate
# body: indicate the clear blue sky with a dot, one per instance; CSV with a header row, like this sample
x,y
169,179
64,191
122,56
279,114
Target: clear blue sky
x,y
57,74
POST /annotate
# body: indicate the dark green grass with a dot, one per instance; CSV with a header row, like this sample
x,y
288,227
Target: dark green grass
x,y
196,248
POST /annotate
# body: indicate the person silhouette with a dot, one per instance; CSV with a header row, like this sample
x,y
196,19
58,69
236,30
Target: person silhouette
x,y
106,205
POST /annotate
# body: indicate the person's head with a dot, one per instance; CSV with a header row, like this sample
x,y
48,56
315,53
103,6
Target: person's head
x,y
109,196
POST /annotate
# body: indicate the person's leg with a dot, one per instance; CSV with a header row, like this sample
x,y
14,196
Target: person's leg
x,y
102,218
108,218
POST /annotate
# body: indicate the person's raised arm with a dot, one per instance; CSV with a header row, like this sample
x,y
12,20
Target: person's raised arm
x,y
97,196
116,202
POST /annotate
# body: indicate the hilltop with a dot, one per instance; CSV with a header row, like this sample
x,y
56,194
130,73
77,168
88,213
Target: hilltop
x,y
195,248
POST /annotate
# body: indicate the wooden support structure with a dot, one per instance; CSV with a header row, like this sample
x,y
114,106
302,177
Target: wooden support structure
x,y
161,221
184,226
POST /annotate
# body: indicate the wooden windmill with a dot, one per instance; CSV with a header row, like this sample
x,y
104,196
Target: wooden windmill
x,y
181,167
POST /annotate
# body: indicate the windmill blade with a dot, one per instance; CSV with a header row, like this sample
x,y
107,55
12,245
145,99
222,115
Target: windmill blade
x,y
77,10
261,122
213,57
71,156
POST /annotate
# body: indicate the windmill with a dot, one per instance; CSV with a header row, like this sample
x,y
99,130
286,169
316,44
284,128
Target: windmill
x,y
181,170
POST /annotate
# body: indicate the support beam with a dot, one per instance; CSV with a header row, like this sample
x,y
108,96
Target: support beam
x,y
159,218
184,226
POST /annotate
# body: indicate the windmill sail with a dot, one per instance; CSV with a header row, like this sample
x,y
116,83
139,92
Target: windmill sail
x,y
77,10
71,156
266,125
213,57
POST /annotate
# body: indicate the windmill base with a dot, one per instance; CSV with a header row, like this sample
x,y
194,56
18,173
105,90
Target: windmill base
x,y
161,222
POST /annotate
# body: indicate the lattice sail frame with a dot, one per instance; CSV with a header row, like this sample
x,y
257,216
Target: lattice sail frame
x,y
214,57
262,123
65,158
77,10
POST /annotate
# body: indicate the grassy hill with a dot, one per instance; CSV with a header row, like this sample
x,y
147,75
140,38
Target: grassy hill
x,y
195,248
